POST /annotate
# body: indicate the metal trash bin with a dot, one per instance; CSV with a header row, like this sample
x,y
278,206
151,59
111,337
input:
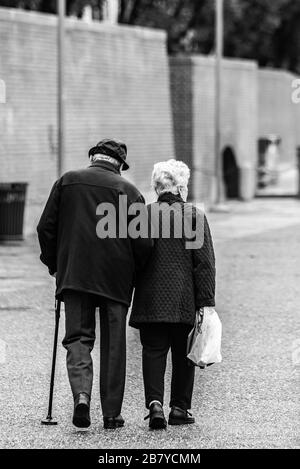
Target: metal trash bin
x,y
12,204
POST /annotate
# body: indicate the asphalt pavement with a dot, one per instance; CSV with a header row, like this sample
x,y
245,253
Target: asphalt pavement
x,y
251,400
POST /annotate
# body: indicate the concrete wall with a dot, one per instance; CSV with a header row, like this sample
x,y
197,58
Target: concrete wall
x,y
296,111
117,84
193,93
277,113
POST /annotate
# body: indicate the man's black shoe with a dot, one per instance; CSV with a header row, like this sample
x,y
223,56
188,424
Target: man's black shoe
x,y
157,419
81,417
179,416
113,422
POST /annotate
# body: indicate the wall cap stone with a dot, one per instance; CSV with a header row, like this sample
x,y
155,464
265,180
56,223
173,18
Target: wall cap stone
x,y
276,73
44,19
209,61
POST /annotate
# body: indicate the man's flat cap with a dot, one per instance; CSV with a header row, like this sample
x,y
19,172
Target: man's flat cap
x,y
113,148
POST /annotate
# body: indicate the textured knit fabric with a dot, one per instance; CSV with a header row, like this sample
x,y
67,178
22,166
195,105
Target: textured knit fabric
x,y
176,280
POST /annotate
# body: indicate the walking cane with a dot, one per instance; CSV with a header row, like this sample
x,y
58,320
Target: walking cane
x,y
49,420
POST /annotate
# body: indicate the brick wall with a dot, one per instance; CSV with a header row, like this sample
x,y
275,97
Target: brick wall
x,y
193,92
182,107
117,84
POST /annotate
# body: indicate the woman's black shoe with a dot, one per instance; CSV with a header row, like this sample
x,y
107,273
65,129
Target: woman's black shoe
x,y
113,422
81,417
157,419
180,417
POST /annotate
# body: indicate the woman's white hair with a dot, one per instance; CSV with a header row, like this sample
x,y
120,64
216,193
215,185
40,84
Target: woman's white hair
x,y
170,176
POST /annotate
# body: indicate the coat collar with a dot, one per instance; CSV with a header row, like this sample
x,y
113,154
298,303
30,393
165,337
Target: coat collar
x,y
104,165
170,198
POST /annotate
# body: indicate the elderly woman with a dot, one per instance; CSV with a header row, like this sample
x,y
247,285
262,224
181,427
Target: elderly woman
x,y
178,279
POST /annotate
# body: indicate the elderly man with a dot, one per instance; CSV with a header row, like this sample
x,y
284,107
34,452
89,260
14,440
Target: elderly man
x,y
93,271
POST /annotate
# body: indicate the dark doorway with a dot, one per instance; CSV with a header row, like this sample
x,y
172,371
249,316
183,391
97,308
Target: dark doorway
x,y
231,174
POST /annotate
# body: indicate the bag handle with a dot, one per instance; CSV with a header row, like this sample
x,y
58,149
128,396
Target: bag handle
x,y
199,319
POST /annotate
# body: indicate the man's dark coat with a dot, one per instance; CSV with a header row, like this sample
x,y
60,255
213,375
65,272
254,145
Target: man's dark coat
x,y
68,238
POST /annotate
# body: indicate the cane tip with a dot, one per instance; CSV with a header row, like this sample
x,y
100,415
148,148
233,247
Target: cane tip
x,y
49,422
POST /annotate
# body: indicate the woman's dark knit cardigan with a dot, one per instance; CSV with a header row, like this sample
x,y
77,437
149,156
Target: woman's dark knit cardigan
x,y
176,280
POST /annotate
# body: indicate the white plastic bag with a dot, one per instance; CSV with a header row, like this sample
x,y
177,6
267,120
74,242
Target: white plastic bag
x,y
204,341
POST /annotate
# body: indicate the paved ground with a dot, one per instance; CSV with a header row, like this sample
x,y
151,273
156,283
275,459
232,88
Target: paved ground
x,y
248,401
287,184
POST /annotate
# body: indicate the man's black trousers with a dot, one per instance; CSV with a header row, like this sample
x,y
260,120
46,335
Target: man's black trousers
x,y
79,341
157,339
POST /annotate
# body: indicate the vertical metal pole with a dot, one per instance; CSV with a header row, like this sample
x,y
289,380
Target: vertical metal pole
x,y
2,92
219,41
298,158
60,85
